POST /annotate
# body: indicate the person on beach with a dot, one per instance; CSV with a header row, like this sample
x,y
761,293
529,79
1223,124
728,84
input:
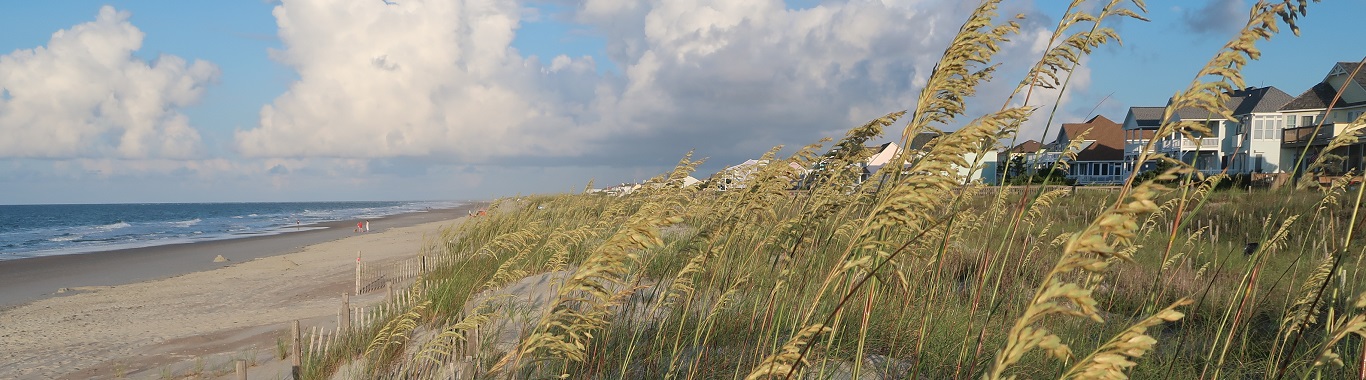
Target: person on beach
x,y
359,225
367,226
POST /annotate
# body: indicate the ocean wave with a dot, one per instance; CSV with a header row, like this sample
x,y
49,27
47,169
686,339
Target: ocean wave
x,y
114,226
66,237
186,223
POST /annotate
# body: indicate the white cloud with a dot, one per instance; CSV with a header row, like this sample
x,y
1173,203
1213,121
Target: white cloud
x,y
728,77
84,94
412,79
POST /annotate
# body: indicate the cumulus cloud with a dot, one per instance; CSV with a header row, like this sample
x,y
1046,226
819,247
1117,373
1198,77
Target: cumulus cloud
x,y
414,78
84,94
728,77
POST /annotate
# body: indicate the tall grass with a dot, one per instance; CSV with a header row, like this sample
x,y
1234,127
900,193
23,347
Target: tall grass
x,y
916,274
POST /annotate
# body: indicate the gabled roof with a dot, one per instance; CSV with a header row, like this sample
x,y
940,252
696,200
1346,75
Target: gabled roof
x,y
884,154
875,149
1030,146
1316,97
922,138
1192,113
1147,116
1319,96
1108,137
1348,67
747,164
1257,100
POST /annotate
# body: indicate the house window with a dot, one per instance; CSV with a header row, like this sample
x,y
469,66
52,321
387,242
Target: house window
x,y
1307,120
1290,121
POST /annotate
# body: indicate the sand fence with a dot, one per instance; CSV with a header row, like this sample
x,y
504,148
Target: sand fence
x,y
372,277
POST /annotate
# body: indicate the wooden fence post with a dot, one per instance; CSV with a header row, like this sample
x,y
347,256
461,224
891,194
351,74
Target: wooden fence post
x,y
297,352
345,322
241,369
358,264
389,291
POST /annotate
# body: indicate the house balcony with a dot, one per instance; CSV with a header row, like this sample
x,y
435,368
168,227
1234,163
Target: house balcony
x,y
1305,136
1186,145
1135,147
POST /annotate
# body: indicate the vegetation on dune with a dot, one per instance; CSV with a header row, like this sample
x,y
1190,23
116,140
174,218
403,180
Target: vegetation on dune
x,y
918,275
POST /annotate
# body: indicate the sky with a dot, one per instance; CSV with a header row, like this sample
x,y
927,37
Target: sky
x,y
243,101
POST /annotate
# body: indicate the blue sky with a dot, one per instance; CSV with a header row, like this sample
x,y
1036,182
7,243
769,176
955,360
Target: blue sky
x,y
169,101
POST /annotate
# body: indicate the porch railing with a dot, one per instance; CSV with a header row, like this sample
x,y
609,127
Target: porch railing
x,y
1298,137
1185,144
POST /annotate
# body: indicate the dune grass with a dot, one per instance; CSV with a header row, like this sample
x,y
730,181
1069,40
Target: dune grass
x,y
918,274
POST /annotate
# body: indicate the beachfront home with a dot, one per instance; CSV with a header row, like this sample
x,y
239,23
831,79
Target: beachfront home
x,y
1249,144
1256,148
738,176
1309,125
1100,151
882,155
1140,124
1205,150
1012,162
987,171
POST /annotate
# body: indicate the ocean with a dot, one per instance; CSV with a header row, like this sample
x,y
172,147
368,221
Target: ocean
x,y
43,230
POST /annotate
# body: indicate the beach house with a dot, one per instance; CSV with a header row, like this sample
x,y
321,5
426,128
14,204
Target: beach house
x,y
1309,125
1012,162
986,171
1203,150
1140,124
738,176
1099,148
1248,144
1256,148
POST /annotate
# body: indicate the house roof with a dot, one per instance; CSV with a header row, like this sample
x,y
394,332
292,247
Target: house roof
x,y
884,154
1108,137
1192,113
1257,100
875,149
1147,116
1316,97
1348,67
1319,96
1030,146
921,139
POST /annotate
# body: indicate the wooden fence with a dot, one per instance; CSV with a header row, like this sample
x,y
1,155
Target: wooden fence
x,y
319,341
316,343
372,277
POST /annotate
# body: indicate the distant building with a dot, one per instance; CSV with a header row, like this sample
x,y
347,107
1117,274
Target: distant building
x,y
1013,161
1099,154
1140,125
986,172
738,176
1248,144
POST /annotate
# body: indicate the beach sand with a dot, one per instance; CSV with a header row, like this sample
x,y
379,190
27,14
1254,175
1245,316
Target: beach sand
x,y
202,318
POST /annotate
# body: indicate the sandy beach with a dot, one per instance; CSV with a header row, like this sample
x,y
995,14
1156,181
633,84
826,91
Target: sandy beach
x,y
171,310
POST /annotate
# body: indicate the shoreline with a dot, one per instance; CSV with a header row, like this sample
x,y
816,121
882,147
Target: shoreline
x,y
193,322
29,279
